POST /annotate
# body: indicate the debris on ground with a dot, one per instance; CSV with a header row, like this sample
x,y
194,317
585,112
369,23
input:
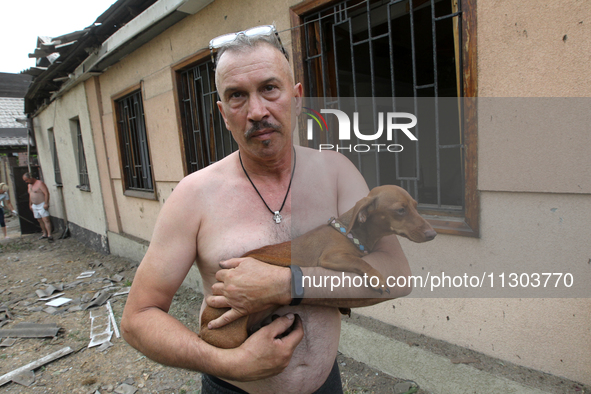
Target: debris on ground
x,y
112,366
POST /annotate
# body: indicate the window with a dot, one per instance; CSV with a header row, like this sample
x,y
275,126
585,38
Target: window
x,y
417,53
133,143
83,181
205,137
56,163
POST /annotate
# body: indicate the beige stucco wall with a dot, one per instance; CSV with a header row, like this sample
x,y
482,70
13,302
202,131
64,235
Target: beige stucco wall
x,y
521,53
83,208
535,184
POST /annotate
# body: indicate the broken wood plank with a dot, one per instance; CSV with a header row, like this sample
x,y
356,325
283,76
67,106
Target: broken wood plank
x,y
35,364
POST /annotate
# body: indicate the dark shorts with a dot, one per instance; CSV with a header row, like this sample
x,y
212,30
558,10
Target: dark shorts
x,y
212,385
2,224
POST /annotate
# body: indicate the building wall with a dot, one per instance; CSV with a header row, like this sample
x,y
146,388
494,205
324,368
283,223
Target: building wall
x,y
534,185
84,209
525,49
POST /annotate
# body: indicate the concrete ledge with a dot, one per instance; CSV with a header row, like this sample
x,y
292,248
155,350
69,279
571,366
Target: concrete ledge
x,y
89,238
127,246
432,372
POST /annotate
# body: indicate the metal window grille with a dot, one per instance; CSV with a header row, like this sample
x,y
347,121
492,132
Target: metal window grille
x,y
400,49
84,183
133,140
56,163
205,137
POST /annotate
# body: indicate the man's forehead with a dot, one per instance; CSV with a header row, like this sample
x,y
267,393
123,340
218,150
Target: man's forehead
x,y
259,53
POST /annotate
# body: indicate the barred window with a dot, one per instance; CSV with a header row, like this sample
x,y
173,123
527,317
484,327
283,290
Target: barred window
x,y
205,137
416,52
56,163
83,181
133,143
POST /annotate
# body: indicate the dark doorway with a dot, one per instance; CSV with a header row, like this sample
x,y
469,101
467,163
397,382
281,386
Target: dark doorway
x,y
29,224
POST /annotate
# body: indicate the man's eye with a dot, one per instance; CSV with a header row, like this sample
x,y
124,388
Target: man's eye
x,y
236,95
269,88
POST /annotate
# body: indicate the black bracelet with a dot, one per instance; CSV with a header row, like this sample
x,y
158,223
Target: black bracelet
x,y
297,285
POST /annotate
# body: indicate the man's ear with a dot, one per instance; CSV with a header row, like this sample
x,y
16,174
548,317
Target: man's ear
x,y
221,108
298,92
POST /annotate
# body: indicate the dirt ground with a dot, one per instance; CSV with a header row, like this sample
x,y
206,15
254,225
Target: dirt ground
x,y
28,264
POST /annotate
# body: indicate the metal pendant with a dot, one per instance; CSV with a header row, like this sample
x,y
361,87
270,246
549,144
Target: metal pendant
x,y
277,217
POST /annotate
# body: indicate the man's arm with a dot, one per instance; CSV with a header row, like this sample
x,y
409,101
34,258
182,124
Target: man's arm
x,y
387,257
148,327
45,192
30,202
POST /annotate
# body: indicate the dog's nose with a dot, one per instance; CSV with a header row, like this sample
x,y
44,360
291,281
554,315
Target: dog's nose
x,y
430,234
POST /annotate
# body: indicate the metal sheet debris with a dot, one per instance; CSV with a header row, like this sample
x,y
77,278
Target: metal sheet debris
x,y
125,389
116,278
51,310
35,364
51,297
100,327
123,292
99,299
30,330
115,328
85,274
49,290
58,302
8,342
5,316
104,346
26,378
100,339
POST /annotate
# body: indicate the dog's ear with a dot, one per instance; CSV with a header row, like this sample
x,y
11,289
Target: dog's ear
x,y
361,211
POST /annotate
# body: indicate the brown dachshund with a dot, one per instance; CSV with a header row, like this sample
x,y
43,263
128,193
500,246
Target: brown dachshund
x,y
338,246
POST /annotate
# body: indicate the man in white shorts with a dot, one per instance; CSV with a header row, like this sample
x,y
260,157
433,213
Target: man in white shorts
x,y
39,204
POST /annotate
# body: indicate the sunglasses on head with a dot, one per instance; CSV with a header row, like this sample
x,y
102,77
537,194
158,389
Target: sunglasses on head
x,y
265,30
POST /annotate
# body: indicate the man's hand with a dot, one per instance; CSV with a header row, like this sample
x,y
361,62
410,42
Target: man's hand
x,y
264,354
248,286
46,206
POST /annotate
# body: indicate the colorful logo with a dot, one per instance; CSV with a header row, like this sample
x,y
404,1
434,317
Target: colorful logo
x,y
315,116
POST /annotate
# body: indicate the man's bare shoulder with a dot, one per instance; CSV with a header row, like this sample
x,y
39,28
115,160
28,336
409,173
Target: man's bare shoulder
x,y
328,161
208,179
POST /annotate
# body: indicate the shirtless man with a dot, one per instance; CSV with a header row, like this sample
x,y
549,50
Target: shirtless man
x,y
39,204
215,215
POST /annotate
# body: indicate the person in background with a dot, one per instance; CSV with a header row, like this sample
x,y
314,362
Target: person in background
x,y
39,204
5,198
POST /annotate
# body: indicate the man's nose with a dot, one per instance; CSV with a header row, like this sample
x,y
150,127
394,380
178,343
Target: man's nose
x,y
257,109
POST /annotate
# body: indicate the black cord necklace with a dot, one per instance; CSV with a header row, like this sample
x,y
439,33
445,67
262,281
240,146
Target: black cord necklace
x,y
276,215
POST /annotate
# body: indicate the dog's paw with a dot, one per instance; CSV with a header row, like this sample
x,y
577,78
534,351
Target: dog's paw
x,y
381,285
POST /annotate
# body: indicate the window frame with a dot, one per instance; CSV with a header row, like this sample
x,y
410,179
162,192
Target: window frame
x,y
466,223
57,174
150,194
80,155
199,58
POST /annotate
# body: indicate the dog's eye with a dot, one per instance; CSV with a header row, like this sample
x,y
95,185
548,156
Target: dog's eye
x,y
401,211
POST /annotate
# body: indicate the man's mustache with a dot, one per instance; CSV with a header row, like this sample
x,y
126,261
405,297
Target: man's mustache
x,y
259,125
